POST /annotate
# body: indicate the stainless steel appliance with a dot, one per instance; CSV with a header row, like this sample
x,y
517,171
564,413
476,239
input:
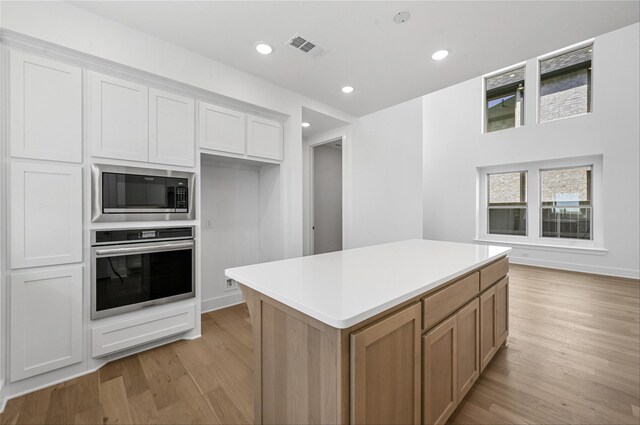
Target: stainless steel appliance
x,y
133,194
136,268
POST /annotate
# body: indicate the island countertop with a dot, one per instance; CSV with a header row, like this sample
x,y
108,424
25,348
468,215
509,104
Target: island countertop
x,y
344,288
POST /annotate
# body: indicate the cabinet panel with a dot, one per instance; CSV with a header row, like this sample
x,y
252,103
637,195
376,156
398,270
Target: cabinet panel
x,y
439,372
119,118
264,138
171,129
493,272
488,338
46,108
445,302
385,370
46,321
45,214
502,311
468,350
124,334
221,129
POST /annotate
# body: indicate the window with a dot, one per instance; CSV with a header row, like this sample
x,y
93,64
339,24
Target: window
x,y
566,203
550,203
505,100
565,84
507,203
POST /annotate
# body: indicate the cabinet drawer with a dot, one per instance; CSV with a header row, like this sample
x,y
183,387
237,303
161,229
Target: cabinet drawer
x,y
125,334
493,272
445,302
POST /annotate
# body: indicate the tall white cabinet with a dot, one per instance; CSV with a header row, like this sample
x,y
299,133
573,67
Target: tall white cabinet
x,y
46,108
45,215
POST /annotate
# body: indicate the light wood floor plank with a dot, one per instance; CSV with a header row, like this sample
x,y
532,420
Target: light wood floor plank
x,y
573,358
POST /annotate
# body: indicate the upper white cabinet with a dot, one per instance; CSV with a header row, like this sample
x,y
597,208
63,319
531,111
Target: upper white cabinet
x,y
119,117
45,214
264,138
171,129
46,321
222,129
46,108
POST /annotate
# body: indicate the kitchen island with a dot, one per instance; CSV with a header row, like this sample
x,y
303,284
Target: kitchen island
x,y
394,333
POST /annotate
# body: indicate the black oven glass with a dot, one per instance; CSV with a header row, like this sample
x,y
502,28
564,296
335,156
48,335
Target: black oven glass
x,y
136,278
133,191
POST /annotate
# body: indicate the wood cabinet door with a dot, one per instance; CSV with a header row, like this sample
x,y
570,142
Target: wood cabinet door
x,y
171,129
119,118
221,129
488,337
46,108
440,396
264,138
385,370
502,311
46,321
45,214
468,350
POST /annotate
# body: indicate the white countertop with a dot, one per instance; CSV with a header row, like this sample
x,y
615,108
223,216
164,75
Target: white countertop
x,y
344,288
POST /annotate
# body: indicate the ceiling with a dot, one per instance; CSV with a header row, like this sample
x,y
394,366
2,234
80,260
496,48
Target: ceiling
x,y
320,123
386,63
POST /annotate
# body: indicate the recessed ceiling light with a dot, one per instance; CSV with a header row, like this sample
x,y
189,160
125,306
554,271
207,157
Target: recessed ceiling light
x,y
439,55
512,75
306,124
264,48
347,89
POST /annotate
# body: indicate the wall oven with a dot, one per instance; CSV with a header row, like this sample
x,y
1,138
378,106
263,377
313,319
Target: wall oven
x,y
136,268
133,194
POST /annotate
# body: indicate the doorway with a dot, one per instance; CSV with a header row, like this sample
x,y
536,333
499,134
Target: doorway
x,y
326,197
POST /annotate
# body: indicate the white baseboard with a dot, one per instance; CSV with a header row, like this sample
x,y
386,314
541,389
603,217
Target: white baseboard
x,y
574,267
212,304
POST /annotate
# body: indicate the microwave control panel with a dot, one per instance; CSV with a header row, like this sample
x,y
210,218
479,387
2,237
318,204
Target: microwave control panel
x,y
182,201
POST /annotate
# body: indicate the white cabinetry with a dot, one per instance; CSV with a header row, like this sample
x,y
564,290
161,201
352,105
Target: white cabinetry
x,y
46,108
138,329
133,122
264,138
222,129
119,118
229,131
171,129
45,214
46,321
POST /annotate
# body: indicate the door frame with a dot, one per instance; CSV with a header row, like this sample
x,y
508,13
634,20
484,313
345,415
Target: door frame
x,y
342,135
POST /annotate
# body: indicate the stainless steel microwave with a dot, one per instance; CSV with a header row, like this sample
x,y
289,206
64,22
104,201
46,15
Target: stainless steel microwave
x,y
140,194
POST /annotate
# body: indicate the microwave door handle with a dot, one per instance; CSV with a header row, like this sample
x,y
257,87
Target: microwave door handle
x,y
173,246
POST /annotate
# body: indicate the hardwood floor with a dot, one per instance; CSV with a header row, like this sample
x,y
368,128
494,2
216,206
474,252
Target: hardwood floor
x,y
573,357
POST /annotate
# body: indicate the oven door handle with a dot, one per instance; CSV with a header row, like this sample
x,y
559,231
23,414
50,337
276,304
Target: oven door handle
x,y
170,246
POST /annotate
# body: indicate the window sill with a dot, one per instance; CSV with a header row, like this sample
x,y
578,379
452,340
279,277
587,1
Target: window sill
x,y
590,250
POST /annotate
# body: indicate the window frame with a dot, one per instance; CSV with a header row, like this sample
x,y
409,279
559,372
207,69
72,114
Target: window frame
x,y
542,207
485,113
534,204
526,204
559,52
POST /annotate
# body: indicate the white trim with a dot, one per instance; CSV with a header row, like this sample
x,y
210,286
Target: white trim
x,y
574,267
533,237
223,301
566,49
343,134
505,69
547,247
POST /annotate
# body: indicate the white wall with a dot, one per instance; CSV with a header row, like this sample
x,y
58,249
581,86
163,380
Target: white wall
x,y
66,25
454,146
386,175
327,198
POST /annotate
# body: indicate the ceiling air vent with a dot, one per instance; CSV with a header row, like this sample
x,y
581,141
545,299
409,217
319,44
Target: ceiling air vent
x,y
305,46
